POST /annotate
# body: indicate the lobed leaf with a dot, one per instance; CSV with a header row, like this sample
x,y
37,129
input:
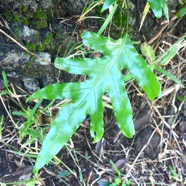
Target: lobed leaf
x,y
104,75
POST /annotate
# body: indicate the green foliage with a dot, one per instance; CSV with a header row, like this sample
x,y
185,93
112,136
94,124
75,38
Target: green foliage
x,y
181,2
148,52
172,77
31,46
107,3
158,6
118,179
181,98
181,12
5,82
24,182
164,59
104,76
174,174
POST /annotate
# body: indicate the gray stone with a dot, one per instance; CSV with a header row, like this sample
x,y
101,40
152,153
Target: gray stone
x,y
153,148
27,32
31,84
75,7
48,80
44,58
13,59
2,86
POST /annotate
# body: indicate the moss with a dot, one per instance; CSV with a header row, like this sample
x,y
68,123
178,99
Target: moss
x,y
8,15
17,30
32,70
50,15
17,19
29,65
40,48
25,21
49,39
41,24
36,37
38,20
40,14
31,46
23,9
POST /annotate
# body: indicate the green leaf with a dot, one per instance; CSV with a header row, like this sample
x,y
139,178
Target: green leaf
x,y
165,8
156,7
104,75
118,181
181,2
148,51
181,98
64,173
166,57
5,80
170,76
107,3
181,12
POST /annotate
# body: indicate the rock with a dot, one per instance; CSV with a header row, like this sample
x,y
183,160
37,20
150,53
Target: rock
x,y
14,59
75,7
142,118
153,148
184,109
120,164
182,127
44,58
47,80
170,113
34,4
103,182
2,110
2,86
27,32
184,160
31,84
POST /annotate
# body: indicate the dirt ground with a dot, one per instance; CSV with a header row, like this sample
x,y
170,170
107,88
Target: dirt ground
x,y
156,155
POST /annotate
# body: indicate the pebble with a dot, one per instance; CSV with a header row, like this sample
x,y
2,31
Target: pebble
x,y
31,84
153,149
44,58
